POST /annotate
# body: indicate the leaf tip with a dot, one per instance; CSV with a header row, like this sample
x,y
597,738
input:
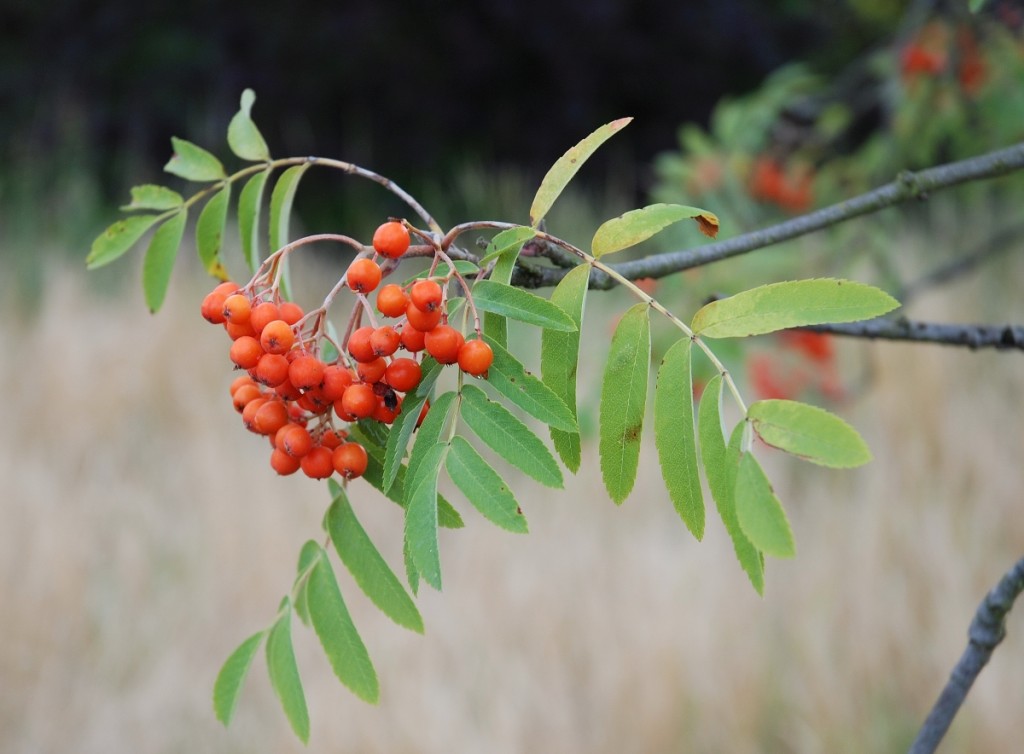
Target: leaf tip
x,y
708,224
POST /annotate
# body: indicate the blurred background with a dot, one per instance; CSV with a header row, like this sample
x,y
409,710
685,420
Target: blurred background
x,y
143,535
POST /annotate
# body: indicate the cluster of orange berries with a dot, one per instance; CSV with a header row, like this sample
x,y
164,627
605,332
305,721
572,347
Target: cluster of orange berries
x,y
292,396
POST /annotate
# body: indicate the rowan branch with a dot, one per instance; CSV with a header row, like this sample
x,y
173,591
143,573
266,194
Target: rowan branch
x,y
987,630
907,186
999,337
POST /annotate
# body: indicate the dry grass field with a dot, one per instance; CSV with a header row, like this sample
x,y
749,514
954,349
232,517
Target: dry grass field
x,y
143,536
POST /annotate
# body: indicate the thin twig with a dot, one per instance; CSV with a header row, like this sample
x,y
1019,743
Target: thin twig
x,y
987,630
999,337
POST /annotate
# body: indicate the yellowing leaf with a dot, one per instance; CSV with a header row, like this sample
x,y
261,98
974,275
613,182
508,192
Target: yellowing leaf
x,y
638,225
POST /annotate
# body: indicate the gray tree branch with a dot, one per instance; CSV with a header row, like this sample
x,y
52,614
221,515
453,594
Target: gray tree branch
x,y
999,337
986,632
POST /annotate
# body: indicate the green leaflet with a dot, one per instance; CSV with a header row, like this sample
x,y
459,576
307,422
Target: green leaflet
x,y
511,239
249,203
565,168
284,673
510,378
365,563
337,633
796,303
675,435
194,163
210,232
638,225
559,359
507,436
159,260
429,433
495,325
484,487
623,398
421,516
244,138
232,676
309,553
809,432
720,465
118,238
405,423
281,200
759,511
520,305
463,266
155,197
411,574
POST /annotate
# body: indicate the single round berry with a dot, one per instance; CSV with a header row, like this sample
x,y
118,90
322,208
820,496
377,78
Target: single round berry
x,y
237,308
306,371
363,275
350,460
246,352
403,374
277,336
425,295
283,463
421,320
412,339
313,401
385,340
294,439
245,394
263,314
332,438
443,343
335,381
212,308
249,412
291,312
236,330
391,239
272,369
392,300
359,401
270,417
388,407
360,345
317,463
372,371
288,391
240,381
475,358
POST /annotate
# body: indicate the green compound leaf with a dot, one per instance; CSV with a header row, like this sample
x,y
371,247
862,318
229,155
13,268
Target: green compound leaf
x,y
210,232
421,516
638,225
244,138
808,432
720,466
507,241
565,168
675,435
559,359
797,303
760,513
366,564
520,305
155,197
249,203
118,238
507,436
284,673
338,636
484,487
159,260
193,163
307,555
405,423
623,398
232,675
509,377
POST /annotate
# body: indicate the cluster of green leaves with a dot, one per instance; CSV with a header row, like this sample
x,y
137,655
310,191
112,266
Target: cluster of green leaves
x,y
406,463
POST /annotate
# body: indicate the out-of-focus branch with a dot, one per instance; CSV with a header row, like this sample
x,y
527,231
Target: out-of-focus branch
x,y
999,337
986,632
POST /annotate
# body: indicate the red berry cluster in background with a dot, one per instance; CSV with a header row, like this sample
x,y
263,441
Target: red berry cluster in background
x,y
789,187
304,404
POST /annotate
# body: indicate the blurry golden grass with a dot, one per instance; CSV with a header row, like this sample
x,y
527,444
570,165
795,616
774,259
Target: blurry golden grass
x,y
143,536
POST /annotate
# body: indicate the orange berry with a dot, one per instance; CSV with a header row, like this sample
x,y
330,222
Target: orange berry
x,y
391,239
313,401
288,391
350,460
245,394
236,330
294,439
335,381
249,412
385,340
412,339
372,371
359,401
277,336
421,320
306,371
359,345
212,308
388,407
270,417
392,300
425,295
475,358
443,343
332,438
363,275
237,308
262,314
246,352
317,463
283,463
272,369
291,312
240,381
403,374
